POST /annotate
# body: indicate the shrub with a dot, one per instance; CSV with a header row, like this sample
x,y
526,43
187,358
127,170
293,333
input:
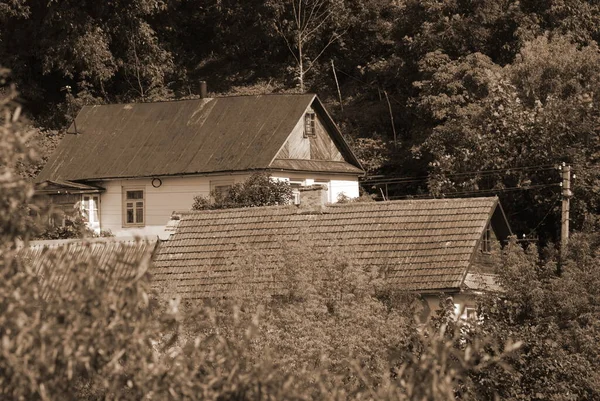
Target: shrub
x,y
260,189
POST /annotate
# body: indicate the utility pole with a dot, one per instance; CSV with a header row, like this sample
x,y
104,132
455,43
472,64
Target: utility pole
x,y
566,200
337,84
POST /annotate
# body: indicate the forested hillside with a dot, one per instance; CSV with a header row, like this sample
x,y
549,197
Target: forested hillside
x,y
463,97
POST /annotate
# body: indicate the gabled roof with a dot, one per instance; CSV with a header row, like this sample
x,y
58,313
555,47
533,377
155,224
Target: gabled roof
x,y
422,245
116,260
183,137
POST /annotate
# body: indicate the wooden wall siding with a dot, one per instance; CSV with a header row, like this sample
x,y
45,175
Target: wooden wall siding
x,y
322,146
319,147
66,199
175,193
296,146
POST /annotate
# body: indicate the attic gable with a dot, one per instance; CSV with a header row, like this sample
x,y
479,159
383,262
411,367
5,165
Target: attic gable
x,y
316,138
315,146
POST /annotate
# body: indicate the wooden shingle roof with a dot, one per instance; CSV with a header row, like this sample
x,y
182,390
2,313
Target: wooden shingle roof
x,y
199,136
423,245
59,262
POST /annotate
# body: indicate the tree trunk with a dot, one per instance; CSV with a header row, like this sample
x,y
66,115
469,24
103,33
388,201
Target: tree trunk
x,y
300,63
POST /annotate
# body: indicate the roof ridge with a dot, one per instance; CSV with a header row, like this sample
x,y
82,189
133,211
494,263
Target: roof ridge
x,y
310,94
236,209
333,205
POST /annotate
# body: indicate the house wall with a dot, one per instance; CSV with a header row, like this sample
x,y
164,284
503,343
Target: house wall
x,y
462,301
177,194
336,184
487,261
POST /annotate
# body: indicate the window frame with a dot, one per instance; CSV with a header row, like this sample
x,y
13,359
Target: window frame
x,y
295,185
486,240
88,210
310,124
214,184
124,207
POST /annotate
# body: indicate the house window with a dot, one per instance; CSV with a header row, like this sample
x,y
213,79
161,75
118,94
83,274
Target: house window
x,y
309,124
89,208
486,240
219,189
465,312
471,313
133,210
295,185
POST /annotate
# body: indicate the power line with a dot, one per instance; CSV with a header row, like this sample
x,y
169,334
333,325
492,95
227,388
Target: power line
x,y
366,83
477,191
545,216
537,168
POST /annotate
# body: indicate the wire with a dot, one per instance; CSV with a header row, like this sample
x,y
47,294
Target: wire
x,y
537,168
478,191
546,215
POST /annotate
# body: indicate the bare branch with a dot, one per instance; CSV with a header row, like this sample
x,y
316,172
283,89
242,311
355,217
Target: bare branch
x,y
289,46
333,38
324,18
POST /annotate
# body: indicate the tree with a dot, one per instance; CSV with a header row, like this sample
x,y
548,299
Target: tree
x,y
552,306
308,28
539,111
106,51
260,189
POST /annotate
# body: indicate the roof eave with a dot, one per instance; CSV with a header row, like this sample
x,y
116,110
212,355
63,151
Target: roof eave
x,y
353,173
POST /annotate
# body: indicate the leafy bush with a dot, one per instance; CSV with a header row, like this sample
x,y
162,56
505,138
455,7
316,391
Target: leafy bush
x,y
258,190
75,227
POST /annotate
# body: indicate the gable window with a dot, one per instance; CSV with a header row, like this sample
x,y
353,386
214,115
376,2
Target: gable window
x,y
486,240
309,124
133,207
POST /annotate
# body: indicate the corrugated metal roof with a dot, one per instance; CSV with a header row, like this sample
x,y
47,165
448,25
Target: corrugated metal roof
x,y
116,260
424,245
178,137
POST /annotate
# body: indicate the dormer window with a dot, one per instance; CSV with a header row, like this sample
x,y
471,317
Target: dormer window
x,y
309,124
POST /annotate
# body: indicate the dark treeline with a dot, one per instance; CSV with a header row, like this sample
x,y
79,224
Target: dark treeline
x,y
477,90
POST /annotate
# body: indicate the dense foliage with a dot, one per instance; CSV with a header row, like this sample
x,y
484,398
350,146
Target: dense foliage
x,y
259,189
554,309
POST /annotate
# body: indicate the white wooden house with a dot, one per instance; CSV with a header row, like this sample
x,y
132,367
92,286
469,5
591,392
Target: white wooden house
x,y
131,165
